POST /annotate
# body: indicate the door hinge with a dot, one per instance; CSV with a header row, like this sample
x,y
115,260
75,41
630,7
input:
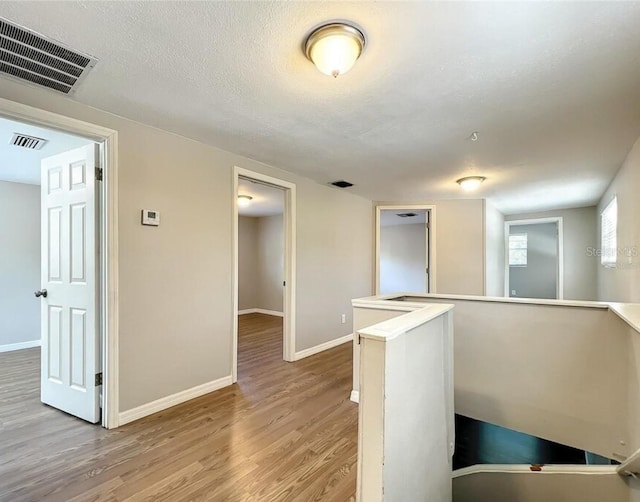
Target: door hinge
x,y
98,379
284,283
98,174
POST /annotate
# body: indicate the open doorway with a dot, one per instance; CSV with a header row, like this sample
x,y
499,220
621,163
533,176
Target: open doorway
x,y
534,258
260,274
50,343
404,249
264,264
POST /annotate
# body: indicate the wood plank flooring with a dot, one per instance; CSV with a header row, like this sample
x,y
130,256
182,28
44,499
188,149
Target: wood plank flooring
x,y
285,432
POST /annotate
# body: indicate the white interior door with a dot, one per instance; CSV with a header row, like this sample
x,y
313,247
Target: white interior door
x,y
70,343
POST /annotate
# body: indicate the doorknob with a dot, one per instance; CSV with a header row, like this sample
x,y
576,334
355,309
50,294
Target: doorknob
x,y
42,292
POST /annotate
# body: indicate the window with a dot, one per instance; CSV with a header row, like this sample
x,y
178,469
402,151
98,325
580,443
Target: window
x,y
608,236
518,250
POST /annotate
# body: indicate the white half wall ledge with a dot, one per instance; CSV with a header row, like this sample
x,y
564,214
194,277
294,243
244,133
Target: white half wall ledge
x,y
174,399
323,346
261,311
10,347
526,469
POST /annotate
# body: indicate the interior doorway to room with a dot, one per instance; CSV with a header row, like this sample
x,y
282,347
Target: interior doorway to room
x,y
534,258
49,228
404,257
264,210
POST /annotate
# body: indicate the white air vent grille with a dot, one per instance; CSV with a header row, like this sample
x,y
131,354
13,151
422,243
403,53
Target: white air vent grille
x,y
30,142
28,56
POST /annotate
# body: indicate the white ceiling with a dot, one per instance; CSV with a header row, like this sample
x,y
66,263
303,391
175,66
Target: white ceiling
x,y
22,165
267,200
552,87
390,218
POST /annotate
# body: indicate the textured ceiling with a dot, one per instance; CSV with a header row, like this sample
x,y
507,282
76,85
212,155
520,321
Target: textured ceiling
x,y
390,218
552,87
22,165
267,200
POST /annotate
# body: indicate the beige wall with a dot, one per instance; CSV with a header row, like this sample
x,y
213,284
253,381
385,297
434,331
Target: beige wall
x,y
403,258
270,263
494,250
248,271
547,370
459,243
19,262
460,247
333,252
580,228
260,262
622,284
584,392
634,487
175,289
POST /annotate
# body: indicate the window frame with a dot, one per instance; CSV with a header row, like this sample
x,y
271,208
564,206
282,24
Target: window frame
x,y
525,248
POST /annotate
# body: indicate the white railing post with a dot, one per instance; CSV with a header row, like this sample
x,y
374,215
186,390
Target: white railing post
x,y
405,434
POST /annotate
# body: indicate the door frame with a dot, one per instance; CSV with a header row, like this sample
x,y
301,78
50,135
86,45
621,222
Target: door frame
x,y
430,236
289,297
559,269
107,216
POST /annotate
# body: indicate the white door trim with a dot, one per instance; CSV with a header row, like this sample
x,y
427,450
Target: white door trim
x,y
108,215
289,303
560,268
431,251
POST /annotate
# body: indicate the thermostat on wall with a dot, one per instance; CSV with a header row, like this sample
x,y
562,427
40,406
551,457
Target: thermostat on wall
x,y
150,217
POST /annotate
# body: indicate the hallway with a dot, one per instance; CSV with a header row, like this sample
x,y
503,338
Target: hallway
x,y
286,431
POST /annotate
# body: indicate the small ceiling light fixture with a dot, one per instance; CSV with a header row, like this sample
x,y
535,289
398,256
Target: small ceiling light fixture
x,y
470,183
334,48
244,200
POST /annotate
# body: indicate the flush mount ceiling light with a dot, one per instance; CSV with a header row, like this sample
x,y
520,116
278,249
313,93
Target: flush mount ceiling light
x,y
334,48
470,183
244,200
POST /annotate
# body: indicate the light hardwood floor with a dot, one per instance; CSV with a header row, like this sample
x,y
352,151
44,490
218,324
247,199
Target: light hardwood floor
x,y
285,432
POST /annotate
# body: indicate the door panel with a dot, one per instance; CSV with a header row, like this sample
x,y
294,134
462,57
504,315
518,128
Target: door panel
x,y
54,343
70,339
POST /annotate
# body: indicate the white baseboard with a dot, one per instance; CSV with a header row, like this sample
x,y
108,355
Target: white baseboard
x,y
355,396
261,311
9,347
172,400
323,346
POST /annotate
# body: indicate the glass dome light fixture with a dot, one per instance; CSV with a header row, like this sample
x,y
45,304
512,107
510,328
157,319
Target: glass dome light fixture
x,y
470,183
244,200
334,48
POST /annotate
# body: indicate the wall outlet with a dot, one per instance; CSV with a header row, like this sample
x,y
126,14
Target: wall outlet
x,y
513,292
344,318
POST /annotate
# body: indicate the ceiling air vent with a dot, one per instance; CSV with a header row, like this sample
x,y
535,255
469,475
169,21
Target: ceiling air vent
x,y
30,142
25,55
342,184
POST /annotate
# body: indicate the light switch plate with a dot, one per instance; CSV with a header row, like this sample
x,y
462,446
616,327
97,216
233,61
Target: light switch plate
x,y
150,217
